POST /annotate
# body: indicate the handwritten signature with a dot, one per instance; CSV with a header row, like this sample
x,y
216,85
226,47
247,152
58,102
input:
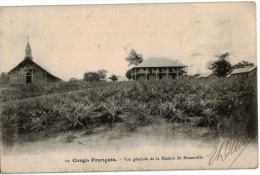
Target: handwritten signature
x,y
229,148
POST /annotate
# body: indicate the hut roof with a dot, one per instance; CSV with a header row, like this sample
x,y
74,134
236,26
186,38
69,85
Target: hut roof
x,y
205,75
243,70
160,62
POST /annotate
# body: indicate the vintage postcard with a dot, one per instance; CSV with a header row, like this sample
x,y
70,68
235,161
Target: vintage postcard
x,y
128,87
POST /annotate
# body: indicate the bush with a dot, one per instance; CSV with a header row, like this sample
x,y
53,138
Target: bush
x,y
223,102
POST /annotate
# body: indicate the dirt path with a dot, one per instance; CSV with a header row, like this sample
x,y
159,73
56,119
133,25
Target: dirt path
x,y
117,137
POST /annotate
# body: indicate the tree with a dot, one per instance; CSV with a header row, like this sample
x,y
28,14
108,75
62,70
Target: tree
x,y
102,74
128,74
91,77
243,64
221,67
134,58
113,77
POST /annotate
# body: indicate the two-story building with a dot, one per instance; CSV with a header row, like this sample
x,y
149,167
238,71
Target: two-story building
x,y
157,69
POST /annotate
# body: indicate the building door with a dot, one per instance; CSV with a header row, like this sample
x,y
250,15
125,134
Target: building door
x,y
173,76
28,77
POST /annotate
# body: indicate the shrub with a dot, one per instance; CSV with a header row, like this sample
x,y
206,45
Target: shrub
x,y
170,112
209,118
143,114
231,103
110,111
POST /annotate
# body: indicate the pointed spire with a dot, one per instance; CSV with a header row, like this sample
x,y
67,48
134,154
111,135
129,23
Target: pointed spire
x,y
28,47
28,50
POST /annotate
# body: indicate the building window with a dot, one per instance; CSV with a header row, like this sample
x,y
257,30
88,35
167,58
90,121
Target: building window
x,y
144,69
28,77
170,69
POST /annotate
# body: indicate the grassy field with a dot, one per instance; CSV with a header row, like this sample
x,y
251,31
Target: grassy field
x,y
16,92
227,106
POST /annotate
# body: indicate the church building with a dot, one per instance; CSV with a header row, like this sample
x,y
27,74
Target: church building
x,y
28,72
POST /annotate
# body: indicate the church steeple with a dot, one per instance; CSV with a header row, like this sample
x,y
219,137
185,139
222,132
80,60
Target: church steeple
x,y
28,50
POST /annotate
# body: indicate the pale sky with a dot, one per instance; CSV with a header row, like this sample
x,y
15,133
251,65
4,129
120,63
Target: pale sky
x,y
70,40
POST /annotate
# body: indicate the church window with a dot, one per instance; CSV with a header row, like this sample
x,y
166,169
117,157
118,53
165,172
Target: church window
x,y
28,77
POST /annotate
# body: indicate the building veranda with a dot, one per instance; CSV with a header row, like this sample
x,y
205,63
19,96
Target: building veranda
x,y
157,69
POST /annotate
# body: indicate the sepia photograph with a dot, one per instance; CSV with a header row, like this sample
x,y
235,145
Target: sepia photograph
x,y
128,87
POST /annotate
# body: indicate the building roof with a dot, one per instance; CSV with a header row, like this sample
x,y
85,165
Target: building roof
x,y
243,70
205,75
160,62
30,61
122,78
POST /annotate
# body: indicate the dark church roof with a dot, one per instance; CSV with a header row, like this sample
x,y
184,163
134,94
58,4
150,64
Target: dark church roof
x,y
29,61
